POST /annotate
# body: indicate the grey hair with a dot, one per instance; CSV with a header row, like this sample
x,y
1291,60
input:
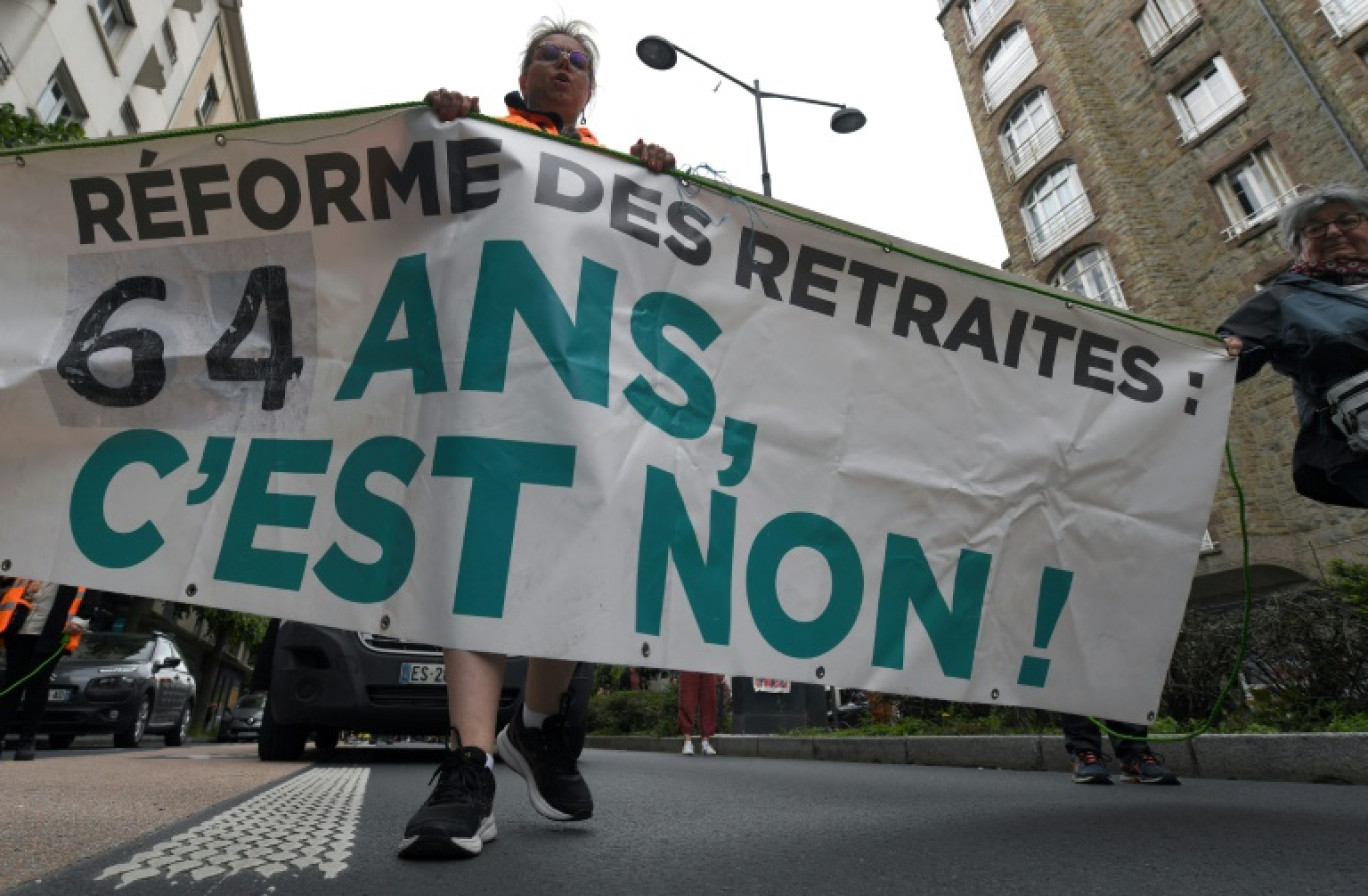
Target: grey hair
x,y
571,28
1296,213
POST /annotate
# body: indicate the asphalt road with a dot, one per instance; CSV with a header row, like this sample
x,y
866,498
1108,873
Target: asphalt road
x,y
670,824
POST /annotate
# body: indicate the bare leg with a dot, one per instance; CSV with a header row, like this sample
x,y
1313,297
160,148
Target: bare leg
x,y
473,684
547,680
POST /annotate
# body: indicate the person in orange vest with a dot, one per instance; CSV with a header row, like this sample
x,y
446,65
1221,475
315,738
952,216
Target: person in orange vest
x,y
38,623
556,82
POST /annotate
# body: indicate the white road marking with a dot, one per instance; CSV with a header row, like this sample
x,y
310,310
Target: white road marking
x,y
308,821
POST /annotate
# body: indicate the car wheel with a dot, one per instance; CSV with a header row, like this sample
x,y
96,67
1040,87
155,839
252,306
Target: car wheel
x,y
131,734
176,736
60,741
325,741
280,743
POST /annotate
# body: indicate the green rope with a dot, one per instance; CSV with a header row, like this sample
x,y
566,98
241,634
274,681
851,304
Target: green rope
x,y
1244,632
1068,299
36,669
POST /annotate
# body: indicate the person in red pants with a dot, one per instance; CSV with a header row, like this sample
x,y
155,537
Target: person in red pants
x,y
698,690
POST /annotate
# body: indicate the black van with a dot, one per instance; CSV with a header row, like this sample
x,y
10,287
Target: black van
x,y
322,681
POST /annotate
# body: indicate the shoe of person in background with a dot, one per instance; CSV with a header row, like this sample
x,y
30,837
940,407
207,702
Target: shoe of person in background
x,y
23,752
1147,768
708,748
457,820
688,746
545,758
1089,768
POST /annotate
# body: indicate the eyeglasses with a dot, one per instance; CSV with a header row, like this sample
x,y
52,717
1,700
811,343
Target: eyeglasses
x,y
1344,224
552,54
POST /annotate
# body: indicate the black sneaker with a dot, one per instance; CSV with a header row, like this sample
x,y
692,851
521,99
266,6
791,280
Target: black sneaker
x,y
23,752
547,761
1089,768
1147,768
458,818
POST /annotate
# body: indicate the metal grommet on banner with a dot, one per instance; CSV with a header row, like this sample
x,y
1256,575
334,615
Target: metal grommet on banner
x,y
220,140
995,693
191,590
5,566
821,671
384,623
645,649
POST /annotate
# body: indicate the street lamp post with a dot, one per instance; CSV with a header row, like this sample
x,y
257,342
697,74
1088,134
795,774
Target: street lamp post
x,y
659,53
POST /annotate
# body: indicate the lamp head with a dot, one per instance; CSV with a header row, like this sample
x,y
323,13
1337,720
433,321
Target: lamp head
x,y
846,120
657,52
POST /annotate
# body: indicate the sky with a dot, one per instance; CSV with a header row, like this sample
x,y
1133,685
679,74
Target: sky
x,y
914,171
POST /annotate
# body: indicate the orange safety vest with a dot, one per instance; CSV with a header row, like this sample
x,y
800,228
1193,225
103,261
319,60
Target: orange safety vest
x,y
20,594
539,121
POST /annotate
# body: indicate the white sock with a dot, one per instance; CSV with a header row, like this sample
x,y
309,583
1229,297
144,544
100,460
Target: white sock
x,y
489,761
533,719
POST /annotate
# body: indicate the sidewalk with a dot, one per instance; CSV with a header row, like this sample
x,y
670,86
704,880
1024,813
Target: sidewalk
x,y
1313,758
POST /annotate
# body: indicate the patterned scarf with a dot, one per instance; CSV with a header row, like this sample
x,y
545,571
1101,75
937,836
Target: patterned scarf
x,y
1340,271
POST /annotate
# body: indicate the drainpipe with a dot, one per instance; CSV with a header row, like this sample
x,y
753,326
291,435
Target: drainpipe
x,y
1306,76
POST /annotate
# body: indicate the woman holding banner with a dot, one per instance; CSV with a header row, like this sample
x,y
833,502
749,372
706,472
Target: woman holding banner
x,y
555,86
1311,324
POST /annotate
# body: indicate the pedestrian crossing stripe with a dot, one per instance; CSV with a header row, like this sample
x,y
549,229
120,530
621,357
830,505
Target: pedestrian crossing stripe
x,y
307,822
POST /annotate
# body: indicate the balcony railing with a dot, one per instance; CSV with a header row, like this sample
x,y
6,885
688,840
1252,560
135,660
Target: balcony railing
x,y
1047,137
1260,215
1162,42
987,16
1008,78
1192,128
1054,231
1345,16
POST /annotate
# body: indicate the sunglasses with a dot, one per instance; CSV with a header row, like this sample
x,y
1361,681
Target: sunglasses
x,y
552,54
1344,224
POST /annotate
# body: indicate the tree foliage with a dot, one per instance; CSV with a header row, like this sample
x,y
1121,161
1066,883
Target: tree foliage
x,y
17,129
225,627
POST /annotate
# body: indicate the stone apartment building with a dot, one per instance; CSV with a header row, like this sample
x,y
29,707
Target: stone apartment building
x,y
121,67
1138,152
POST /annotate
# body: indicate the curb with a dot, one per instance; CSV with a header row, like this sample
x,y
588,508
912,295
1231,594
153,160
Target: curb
x,y
1302,758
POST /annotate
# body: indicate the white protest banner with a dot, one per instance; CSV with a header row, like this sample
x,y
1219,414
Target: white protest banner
x,y
464,383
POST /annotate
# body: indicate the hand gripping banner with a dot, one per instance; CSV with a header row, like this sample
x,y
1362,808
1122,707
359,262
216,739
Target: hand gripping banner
x,y
472,385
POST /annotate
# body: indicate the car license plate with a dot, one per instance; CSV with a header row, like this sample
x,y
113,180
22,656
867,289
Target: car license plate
x,y
422,673
58,695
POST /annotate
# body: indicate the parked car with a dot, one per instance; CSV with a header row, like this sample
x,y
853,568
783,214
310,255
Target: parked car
x,y
322,681
128,685
242,719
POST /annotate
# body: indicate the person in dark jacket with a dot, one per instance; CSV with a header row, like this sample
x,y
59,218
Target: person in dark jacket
x,y
1311,324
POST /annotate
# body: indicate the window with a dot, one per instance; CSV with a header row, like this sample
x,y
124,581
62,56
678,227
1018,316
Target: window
x,y
1008,63
1345,16
208,101
1206,100
980,16
1055,209
1252,191
113,16
129,116
1030,132
169,38
1090,274
1161,21
59,99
